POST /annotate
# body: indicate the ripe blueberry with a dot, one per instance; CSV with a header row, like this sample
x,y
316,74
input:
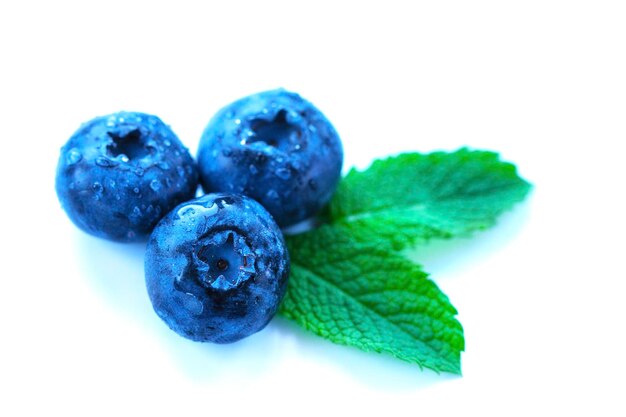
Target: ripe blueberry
x,y
216,268
275,147
119,174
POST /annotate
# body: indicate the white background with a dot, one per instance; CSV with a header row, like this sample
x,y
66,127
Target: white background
x,y
541,296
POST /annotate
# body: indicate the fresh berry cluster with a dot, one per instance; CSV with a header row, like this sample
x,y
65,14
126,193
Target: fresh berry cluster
x,y
216,266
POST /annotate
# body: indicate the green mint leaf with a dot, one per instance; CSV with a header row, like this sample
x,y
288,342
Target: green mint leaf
x,y
413,197
357,293
351,284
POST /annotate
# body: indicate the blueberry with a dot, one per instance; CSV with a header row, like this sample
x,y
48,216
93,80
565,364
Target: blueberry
x,y
275,147
119,174
217,268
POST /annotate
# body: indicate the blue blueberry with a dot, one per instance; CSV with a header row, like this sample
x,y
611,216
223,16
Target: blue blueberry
x,y
217,268
119,174
275,147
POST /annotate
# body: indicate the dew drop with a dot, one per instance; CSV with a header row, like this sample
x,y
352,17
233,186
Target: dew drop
x,y
136,190
186,211
283,173
139,171
155,185
192,209
272,194
97,187
192,304
253,170
166,142
105,162
73,156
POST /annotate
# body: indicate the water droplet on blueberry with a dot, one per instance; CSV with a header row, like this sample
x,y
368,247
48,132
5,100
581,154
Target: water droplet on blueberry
x,y
155,185
105,162
283,173
192,304
186,211
73,156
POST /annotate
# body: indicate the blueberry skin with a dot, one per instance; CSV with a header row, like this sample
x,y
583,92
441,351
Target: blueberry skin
x,y
119,174
275,147
217,268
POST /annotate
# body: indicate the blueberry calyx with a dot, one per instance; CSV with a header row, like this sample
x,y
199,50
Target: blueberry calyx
x,y
127,146
223,260
281,132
